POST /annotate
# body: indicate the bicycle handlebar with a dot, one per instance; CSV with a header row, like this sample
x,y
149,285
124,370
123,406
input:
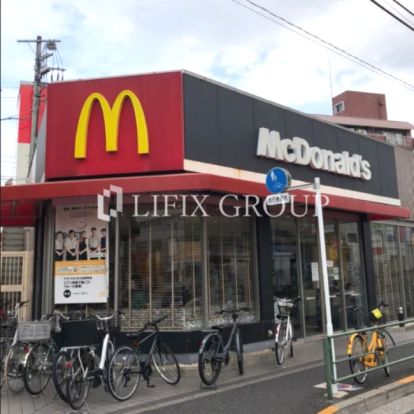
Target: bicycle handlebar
x,y
152,323
56,313
156,322
294,300
20,304
103,318
359,307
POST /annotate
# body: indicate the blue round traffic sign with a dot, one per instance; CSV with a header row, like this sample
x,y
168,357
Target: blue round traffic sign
x,y
278,179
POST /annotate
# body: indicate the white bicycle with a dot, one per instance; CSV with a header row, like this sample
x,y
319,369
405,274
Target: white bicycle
x,y
80,366
283,327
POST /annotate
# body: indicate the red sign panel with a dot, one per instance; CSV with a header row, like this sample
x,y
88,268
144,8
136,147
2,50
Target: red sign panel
x,y
25,111
113,126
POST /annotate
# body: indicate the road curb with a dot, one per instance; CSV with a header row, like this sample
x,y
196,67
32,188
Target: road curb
x,y
250,358
370,400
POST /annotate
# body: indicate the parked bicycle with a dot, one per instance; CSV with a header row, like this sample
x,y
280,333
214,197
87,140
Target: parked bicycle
x,y
80,366
213,352
29,361
128,364
369,349
5,344
7,327
15,357
283,327
41,350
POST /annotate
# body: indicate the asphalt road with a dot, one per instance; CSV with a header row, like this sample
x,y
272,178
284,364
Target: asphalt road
x,y
289,392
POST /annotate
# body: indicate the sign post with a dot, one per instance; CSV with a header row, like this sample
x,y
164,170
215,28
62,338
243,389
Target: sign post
x,y
278,180
325,280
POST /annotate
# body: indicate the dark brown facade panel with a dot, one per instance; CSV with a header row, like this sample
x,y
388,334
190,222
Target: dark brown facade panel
x,y
404,158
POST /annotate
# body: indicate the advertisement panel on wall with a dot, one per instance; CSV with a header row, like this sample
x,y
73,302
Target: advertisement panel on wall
x,y
80,255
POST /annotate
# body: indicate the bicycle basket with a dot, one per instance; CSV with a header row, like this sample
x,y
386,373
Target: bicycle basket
x,y
377,314
284,306
35,331
79,333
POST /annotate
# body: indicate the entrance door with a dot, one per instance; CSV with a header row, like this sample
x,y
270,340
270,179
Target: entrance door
x,y
334,276
310,276
296,269
351,271
285,265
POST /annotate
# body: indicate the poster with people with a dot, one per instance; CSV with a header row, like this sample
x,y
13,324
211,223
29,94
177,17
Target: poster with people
x,y
80,255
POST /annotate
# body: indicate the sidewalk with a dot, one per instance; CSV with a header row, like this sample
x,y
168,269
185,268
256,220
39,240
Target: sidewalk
x,y
403,405
396,397
259,362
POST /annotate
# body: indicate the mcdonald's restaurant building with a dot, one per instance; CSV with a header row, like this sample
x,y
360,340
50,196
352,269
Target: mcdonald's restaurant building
x,y
139,203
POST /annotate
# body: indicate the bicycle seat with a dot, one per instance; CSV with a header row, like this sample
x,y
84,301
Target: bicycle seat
x,y
217,327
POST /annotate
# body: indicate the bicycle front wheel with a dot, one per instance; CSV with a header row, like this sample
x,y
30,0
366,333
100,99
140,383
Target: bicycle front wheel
x,y
60,373
356,360
166,363
4,349
280,344
36,374
14,367
209,361
77,384
387,341
239,352
123,373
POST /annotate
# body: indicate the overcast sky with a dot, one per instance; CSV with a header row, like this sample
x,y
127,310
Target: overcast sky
x,y
218,39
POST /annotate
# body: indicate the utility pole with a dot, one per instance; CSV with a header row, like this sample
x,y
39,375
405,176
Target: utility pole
x,y
40,70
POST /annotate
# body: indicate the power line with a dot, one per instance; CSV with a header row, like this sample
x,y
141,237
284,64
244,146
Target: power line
x,y
402,6
10,118
400,13
392,14
321,42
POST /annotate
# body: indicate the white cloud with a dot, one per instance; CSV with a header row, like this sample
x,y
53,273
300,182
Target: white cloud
x,y
218,39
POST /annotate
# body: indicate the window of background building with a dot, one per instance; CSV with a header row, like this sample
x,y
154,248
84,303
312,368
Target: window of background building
x,y
16,277
339,107
393,138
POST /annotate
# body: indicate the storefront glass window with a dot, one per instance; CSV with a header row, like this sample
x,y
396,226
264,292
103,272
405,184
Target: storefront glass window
x,y
231,275
285,262
334,276
310,276
386,266
160,271
351,270
407,259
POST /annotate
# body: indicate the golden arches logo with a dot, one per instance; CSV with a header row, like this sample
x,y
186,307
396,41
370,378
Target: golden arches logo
x,y
111,122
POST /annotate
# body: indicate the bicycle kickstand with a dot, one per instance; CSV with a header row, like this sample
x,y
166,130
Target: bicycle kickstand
x,y
148,383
